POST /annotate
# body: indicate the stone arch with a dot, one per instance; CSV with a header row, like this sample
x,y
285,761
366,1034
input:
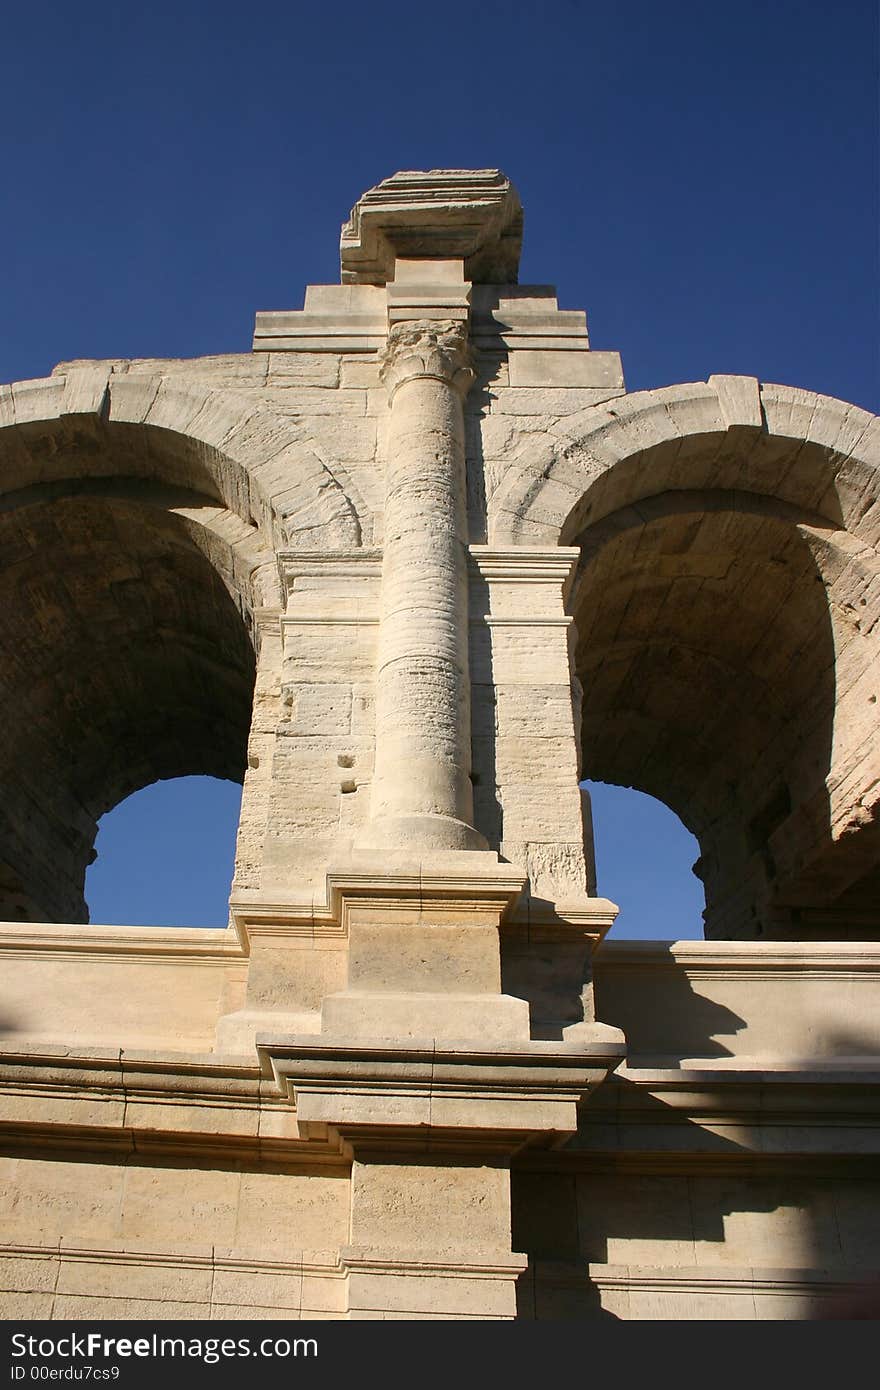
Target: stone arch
x,y
139,523
727,604
805,449
187,433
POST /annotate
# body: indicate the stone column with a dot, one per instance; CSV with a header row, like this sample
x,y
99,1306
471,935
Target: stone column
x,y
422,796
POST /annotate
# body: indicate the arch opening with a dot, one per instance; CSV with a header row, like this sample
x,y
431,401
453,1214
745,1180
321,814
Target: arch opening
x,y
165,855
644,862
126,628
711,630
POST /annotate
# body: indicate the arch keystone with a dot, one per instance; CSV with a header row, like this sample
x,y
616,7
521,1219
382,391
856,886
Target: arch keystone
x,y
740,400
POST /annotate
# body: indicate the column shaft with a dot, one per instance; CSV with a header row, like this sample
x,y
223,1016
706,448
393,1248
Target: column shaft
x,y
422,793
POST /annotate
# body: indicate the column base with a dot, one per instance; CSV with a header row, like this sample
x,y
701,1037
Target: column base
x,y
418,835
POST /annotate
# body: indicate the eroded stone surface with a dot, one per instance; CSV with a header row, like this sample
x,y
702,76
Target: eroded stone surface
x,y
412,569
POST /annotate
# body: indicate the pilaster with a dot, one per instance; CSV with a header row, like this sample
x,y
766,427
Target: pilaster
x,y
431,1131
527,715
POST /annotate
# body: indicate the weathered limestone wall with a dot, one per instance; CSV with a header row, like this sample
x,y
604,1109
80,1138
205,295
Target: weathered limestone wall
x,y
743,1000
704,1180
413,568
694,1245
152,987
170,988
91,1238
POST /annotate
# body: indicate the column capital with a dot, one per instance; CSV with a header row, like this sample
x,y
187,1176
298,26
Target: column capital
x,y
434,348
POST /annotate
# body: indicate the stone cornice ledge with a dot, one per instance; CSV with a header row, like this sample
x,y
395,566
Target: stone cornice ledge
x,y
525,564
162,943
413,1263
746,958
712,1279
828,1111
740,1070
442,1095
103,1100
537,919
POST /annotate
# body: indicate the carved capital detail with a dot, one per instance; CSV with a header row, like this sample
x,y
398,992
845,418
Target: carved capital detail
x,y
435,348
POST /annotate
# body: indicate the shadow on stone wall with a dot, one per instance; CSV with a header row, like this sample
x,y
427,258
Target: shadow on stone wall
x,y
776,1218
671,1023
708,661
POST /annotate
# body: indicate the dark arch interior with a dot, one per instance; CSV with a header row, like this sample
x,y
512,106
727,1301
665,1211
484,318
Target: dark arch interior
x,y
707,657
127,658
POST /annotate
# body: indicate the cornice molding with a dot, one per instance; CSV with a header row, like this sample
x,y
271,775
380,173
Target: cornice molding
x,y
818,960
207,945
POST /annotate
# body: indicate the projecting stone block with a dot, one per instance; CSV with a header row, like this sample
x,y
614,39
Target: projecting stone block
x,y
474,214
372,1014
740,401
553,369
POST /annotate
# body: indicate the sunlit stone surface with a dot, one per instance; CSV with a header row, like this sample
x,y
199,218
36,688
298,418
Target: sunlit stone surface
x,y
416,566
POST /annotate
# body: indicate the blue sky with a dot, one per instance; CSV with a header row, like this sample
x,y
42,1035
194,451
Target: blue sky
x,y
702,179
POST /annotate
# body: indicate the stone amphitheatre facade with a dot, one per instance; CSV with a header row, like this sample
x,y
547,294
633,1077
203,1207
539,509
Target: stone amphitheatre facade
x,y
413,568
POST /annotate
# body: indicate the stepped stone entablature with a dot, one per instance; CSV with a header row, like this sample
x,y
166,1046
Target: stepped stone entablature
x,y
412,568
